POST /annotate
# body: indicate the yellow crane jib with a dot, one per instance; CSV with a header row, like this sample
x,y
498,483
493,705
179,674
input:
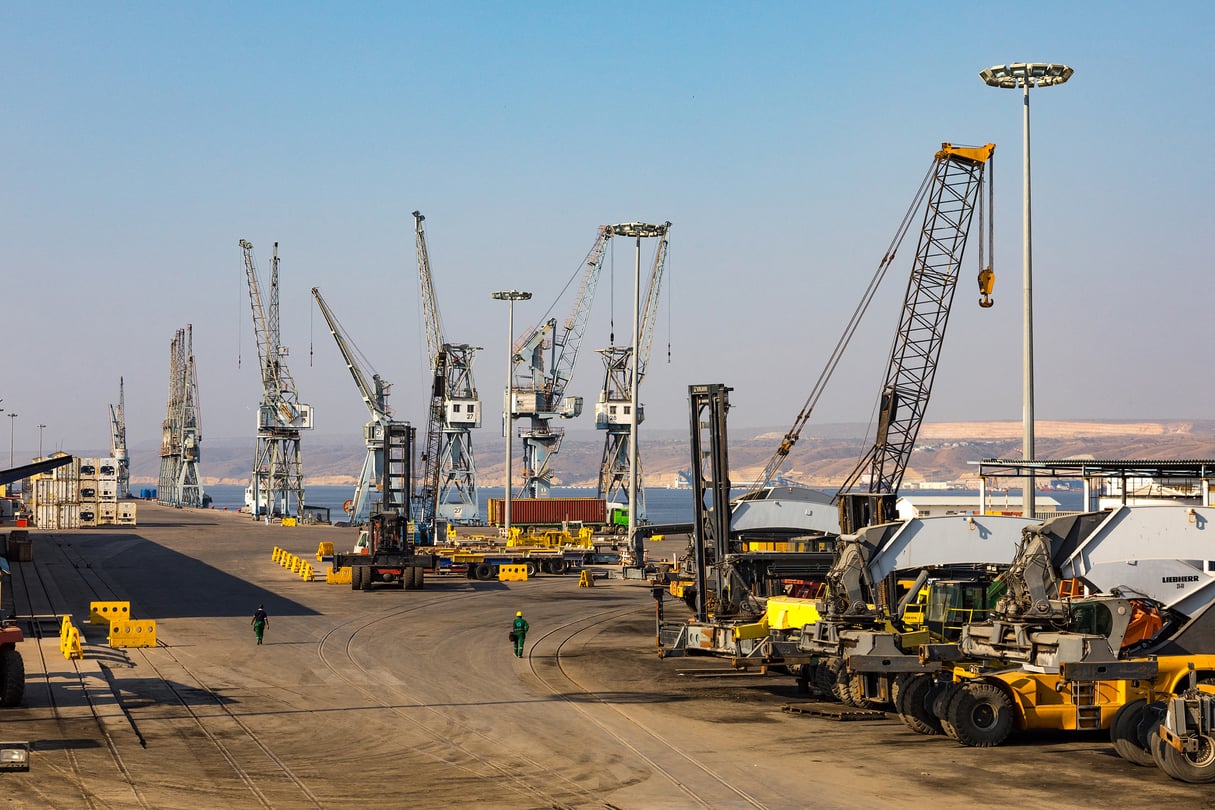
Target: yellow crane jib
x,y
979,154
986,280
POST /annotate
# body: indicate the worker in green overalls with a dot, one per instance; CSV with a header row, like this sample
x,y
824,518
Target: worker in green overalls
x,y
519,633
260,622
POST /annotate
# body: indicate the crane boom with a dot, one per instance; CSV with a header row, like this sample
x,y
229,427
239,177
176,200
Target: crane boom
x,y
539,393
951,187
374,390
448,480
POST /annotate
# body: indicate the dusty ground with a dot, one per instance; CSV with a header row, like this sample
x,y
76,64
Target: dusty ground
x,y
414,699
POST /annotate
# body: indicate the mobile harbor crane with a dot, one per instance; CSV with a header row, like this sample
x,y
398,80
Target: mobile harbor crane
x,y
374,391
276,486
448,483
1104,614
948,194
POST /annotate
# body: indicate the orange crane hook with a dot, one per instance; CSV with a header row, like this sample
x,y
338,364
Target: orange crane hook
x,y
986,280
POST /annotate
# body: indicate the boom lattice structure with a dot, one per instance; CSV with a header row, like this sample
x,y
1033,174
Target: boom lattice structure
x,y
118,443
448,482
182,428
276,485
543,366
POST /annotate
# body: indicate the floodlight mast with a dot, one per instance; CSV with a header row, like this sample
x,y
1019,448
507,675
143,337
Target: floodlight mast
x,y
1023,75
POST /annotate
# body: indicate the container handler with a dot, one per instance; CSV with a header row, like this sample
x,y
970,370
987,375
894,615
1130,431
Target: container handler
x,y
12,666
1105,614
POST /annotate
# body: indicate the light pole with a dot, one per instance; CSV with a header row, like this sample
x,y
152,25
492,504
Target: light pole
x,y
40,427
508,413
12,421
1025,75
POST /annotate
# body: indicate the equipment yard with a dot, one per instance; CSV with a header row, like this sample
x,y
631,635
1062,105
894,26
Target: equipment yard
x,y
395,698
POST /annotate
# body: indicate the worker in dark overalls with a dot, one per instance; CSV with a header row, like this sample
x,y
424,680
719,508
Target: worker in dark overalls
x,y
519,632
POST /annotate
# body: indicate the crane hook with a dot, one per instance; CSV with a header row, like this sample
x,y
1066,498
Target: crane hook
x,y
986,280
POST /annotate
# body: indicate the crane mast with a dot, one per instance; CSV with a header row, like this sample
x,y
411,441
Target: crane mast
x,y
182,428
448,486
543,366
868,494
118,443
613,411
276,486
374,391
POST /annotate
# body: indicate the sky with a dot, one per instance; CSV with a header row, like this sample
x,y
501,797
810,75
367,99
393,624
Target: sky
x,y
783,141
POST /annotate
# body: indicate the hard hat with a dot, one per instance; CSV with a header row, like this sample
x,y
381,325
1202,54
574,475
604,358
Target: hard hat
x,y
519,613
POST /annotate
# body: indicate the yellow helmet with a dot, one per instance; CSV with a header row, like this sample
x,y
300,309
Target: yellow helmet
x,y
519,613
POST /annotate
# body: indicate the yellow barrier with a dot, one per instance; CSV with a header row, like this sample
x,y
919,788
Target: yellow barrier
x,y
288,560
276,555
658,538
585,580
296,564
288,521
134,633
69,641
451,532
106,612
512,573
306,572
325,549
338,577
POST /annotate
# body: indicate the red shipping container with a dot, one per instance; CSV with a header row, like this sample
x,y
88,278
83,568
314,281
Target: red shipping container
x,y
548,511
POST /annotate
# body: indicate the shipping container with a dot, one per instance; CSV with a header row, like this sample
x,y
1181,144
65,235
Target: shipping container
x,y
107,491
548,511
107,512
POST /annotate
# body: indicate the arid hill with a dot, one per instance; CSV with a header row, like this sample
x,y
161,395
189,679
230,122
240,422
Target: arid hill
x,y
822,457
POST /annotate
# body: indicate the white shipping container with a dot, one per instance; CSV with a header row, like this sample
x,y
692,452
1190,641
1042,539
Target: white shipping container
x,y
87,491
88,469
107,512
126,509
57,516
69,515
107,491
107,467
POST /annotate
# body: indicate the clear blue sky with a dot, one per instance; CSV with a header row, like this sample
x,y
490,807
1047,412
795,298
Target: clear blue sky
x,y
782,140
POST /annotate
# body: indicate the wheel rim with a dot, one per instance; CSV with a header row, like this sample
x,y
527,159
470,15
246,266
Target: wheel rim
x,y
1204,757
983,716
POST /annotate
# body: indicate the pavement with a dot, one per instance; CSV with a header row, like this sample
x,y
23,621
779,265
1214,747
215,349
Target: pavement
x,y
414,699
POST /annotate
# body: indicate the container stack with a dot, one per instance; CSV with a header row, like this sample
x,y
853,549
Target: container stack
x,y
81,494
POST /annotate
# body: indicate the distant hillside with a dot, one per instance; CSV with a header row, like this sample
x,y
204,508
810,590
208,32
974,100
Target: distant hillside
x,y
822,457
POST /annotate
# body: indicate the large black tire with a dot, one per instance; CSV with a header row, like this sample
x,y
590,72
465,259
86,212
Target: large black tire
x,y
12,678
558,565
982,715
1197,768
365,580
915,698
485,572
824,679
940,707
1128,733
408,579
532,568
419,574
354,577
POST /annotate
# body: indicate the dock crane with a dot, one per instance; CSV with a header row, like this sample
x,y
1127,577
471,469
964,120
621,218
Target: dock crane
x,y
118,443
181,440
276,485
949,194
374,390
448,483
543,366
613,411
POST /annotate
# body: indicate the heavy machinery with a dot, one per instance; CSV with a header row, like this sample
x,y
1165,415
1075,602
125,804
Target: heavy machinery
x,y
388,553
948,194
374,391
543,362
614,410
276,486
1102,610
181,434
12,666
448,482
118,443
1182,744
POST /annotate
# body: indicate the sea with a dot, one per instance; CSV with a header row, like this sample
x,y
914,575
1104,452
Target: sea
x,y
663,506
